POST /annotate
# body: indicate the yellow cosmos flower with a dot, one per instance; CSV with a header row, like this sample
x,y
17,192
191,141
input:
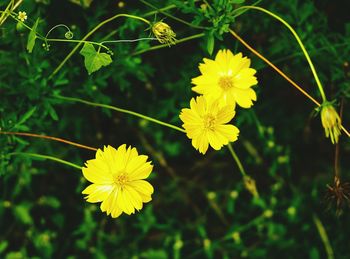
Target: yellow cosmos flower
x,y
228,78
117,180
205,123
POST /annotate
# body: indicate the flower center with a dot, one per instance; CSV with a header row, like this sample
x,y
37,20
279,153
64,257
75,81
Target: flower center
x,y
226,82
209,122
121,179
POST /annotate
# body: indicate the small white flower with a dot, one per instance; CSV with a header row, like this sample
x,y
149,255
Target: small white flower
x,y
22,16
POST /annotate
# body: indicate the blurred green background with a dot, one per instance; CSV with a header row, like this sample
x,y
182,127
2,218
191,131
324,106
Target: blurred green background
x,y
200,207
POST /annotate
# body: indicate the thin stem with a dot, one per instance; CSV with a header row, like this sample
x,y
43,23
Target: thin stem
x,y
90,33
48,137
174,17
324,237
77,41
238,162
274,67
72,99
39,36
47,157
196,36
281,73
6,12
318,82
57,26
127,41
314,51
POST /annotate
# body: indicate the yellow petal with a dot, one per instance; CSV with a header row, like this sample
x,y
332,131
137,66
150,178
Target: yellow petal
x,y
116,211
135,163
145,189
96,173
238,63
133,196
141,172
225,114
201,143
245,78
124,203
216,141
244,98
97,192
228,131
110,202
142,186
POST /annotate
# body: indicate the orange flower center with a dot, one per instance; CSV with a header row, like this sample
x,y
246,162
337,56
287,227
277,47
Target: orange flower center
x,y
209,122
226,82
121,179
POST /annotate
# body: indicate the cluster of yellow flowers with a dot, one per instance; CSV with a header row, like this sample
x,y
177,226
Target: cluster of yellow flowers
x,y
117,175
223,83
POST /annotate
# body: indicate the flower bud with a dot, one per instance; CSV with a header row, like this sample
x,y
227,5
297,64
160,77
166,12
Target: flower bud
x,y
331,121
164,33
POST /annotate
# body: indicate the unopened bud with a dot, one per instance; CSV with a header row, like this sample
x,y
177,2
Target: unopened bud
x,y
164,33
331,121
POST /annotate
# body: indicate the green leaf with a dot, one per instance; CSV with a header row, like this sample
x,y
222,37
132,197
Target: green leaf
x,y
210,43
94,60
22,213
32,37
25,117
237,1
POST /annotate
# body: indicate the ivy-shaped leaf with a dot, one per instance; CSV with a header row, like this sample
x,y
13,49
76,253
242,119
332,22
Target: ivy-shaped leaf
x,y
94,60
32,37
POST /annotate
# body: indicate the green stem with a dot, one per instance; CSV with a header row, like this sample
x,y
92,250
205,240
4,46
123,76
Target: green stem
x,y
29,28
72,99
199,35
48,158
318,82
324,237
6,11
77,41
238,162
174,17
90,33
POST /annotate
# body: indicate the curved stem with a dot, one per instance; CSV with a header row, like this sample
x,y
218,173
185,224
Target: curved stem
x,y
47,157
90,33
57,26
48,137
72,99
236,158
199,35
281,73
318,82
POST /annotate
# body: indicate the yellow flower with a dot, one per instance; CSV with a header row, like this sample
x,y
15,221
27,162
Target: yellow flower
x,y
205,123
164,33
228,78
331,121
117,180
22,16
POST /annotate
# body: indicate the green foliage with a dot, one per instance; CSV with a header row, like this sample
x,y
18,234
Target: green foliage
x,y
32,37
200,208
93,59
